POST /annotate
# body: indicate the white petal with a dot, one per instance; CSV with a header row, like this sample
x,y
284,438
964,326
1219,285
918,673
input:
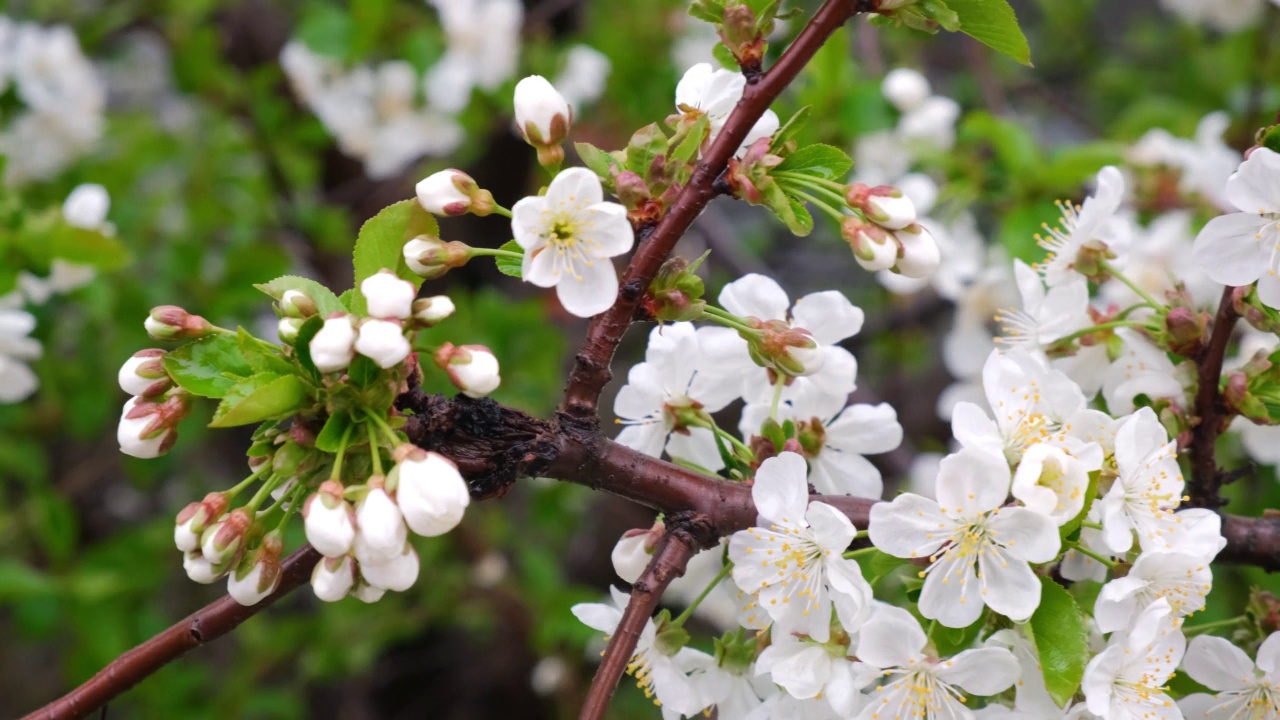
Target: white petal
x,y
606,229
1269,655
1255,187
891,638
828,315
781,490
757,296
1218,664
527,222
981,671
575,187
592,291
1229,250
951,594
1009,586
971,482
832,529
1026,534
910,526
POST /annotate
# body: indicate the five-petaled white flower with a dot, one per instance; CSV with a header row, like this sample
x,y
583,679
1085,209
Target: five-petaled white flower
x,y
1239,248
1242,691
916,685
964,528
1182,580
1126,680
568,236
1148,489
1088,226
796,563
716,93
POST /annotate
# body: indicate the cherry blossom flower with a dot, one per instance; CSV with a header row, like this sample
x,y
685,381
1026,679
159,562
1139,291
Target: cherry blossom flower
x,y
568,236
795,563
483,38
1046,314
1182,580
715,92
1088,226
17,380
1126,680
980,552
807,669
1242,689
1141,369
1148,488
1244,247
1031,695
431,493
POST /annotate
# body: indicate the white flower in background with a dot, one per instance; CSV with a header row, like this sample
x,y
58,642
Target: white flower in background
x,y
931,124
916,685
1241,689
661,392
1205,163
17,348
87,206
430,491
735,693
583,76
1148,489
1159,257
1126,680
979,550
1141,369
334,346
1047,314
905,89
795,563
569,235
662,676
715,92
483,38
835,444
1244,247
1031,695
1222,15
1092,225
808,669
1182,580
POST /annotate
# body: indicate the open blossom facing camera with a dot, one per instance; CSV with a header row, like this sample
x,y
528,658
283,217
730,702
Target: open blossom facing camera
x,y
1126,680
1241,248
569,236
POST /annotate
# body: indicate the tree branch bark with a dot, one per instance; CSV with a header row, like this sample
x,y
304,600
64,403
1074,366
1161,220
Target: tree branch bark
x,y
1206,478
591,365
668,563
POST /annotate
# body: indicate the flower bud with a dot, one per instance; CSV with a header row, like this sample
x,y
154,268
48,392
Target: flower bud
x,y
473,369
1185,330
329,520
194,518
634,551
259,573
288,329
542,114
170,322
297,304
387,296
149,429
383,342
380,534
398,573
790,351
430,491
429,312
431,257
86,207
873,247
920,255
223,540
905,88
453,192
883,205
333,577
333,348
367,593
199,569
141,371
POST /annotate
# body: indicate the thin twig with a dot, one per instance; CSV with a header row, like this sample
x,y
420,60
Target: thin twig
x,y
215,620
668,564
1206,478
591,365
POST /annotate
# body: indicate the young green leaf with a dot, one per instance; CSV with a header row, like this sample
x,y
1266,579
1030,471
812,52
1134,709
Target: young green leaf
x,y
790,128
1061,639
326,302
330,438
822,161
208,367
259,397
597,161
381,243
953,641
994,24
363,371
508,265
646,144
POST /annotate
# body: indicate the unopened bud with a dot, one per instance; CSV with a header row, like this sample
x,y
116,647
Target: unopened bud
x,y
472,369
451,193
142,371
193,519
288,328
383,342
429,312
873,247
170,322
883,205
258,574
222,541
431,493
387,296
790,351
1185,330
333,577
329,520
297,304
920,254
149,429
543,116
634,550
333,347
431,257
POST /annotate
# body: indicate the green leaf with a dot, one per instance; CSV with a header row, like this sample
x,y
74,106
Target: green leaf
x,y
259,356
952,641
994,24
381,242
791,127
597,161
801,222
259,397
1061,639
1271,139
302,346
646,144
208,367
508,265
326,302
363,371
823,161
330,438
687,149
724,56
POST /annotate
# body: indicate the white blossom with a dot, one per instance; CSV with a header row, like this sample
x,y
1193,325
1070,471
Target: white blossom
x,y
333,577
715,92
1091,225
381,533
483,48
329,521
1126,680
17,380
1241,688
383,342
542,114
1244,247
397,573
1182,580
1148,488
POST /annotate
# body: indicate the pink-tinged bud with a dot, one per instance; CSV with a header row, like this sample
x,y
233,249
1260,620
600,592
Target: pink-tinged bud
x,y
883,205
387,296
789,351
920,254
1186,330
329,520
333,348
222,542
472,369
543,116
297,304
634,551
333,577
381,533
143,370
431,257
429,312
873,247
431,493
288,329
200,570
383,342
447,192
258,574
170,322
397,574
148,429
193,519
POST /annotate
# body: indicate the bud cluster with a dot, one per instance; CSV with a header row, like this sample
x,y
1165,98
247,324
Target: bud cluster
x,y
884,234
149,422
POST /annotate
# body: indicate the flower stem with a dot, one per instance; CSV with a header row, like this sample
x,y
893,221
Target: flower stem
x,y
381,422
777,397
336,474
375,450
295,497
724,572
833,213
859,552
1211,626
494,252
498,209
1131,285
828,194
263,492
1089,553
233,492
1099,328
728,319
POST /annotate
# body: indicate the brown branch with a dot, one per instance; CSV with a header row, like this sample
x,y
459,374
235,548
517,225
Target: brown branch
x,y
210,623
1211,413
1251,541
591,365
668,563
